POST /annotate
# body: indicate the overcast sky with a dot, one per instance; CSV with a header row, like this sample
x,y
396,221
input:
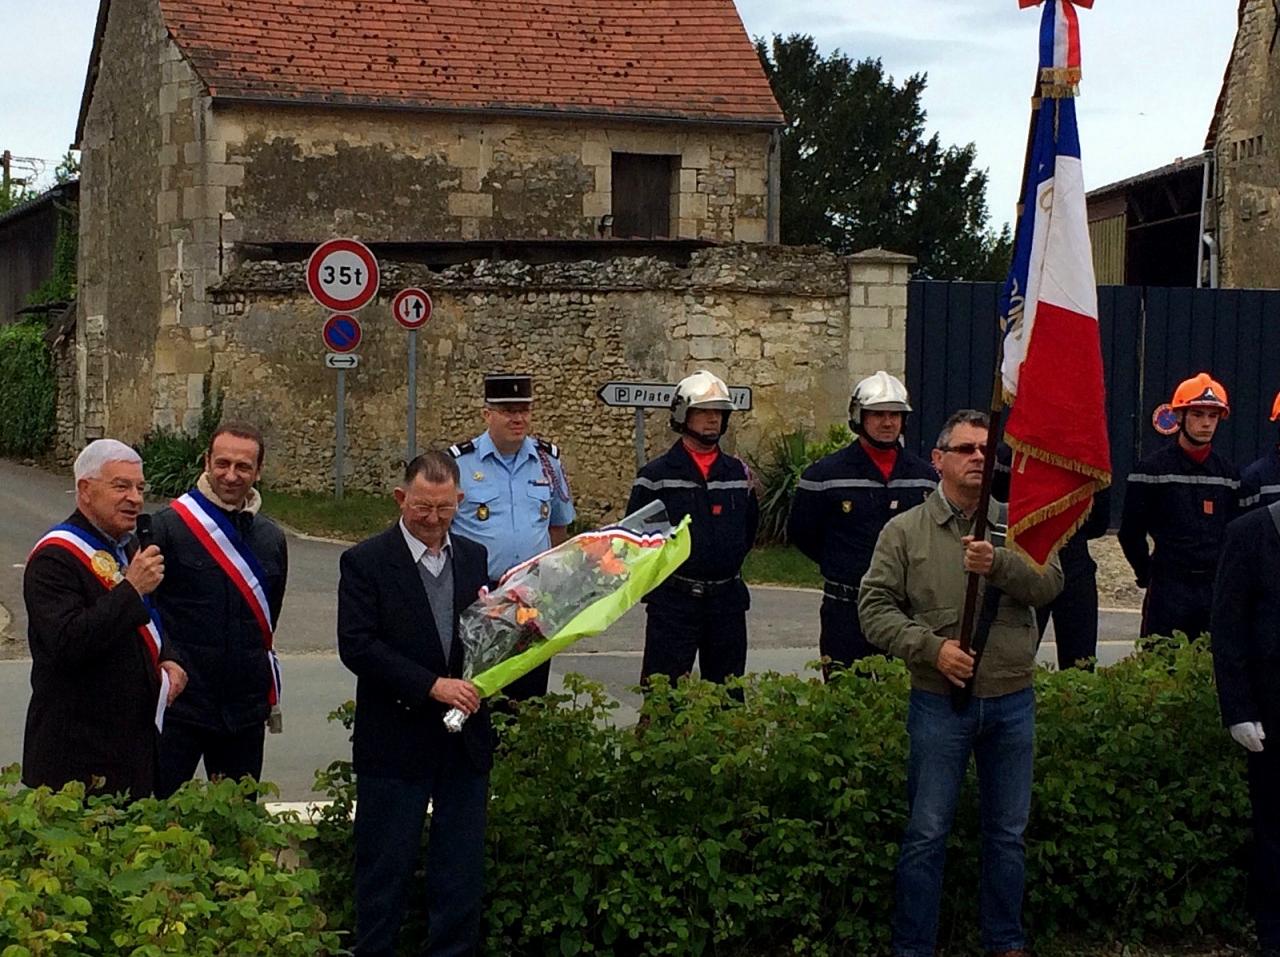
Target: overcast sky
x,y
1152,71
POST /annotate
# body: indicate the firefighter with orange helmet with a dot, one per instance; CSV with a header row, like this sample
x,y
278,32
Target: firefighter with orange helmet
x,y
1182,497
1262,478
701,610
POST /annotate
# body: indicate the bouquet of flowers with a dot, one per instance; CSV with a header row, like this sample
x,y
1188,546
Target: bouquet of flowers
x,y
577,589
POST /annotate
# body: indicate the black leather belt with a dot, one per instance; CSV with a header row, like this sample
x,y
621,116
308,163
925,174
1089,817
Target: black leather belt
x,y
839,591
700,588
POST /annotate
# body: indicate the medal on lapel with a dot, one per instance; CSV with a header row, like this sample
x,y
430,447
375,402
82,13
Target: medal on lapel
x,y
544,510
846,506
106,567
482,513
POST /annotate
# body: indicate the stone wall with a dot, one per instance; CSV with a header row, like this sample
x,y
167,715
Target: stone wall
x,y
305,175
799,325
1248,192
120,291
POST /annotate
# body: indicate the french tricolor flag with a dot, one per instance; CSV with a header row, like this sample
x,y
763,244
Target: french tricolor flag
x,y
1052,365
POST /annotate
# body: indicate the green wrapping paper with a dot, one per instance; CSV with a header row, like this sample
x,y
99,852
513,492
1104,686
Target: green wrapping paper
x,y
570,592
647,572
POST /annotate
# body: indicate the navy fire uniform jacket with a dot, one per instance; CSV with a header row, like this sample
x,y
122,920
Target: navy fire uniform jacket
x,y
842,503
1185,507
1262,479
725,510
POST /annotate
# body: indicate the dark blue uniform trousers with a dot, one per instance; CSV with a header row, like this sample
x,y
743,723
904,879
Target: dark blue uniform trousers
x,y
841,638
389,818
1177,604
680,627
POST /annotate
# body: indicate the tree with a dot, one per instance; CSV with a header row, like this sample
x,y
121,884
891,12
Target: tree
x,y
858,172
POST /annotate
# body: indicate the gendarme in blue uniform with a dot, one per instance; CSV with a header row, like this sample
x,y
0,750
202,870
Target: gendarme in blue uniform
x,y
509,506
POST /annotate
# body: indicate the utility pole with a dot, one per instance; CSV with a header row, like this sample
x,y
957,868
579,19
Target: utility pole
x,y
6,160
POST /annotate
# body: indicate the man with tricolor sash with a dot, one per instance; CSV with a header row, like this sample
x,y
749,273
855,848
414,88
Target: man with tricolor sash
x,y
221,599
102,671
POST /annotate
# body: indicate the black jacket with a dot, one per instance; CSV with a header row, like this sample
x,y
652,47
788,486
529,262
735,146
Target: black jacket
x,y
1185,507
843,501
387,637
1245,624
94,686
725,510
1262,478
207,620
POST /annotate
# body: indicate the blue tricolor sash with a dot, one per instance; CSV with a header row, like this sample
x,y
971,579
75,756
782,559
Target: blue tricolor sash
x,y
214,531
105,561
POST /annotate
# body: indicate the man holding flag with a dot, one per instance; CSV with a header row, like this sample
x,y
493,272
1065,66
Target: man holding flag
x,y
1052,371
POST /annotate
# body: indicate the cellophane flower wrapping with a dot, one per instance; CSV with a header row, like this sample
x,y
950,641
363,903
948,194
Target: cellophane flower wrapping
x,y
565,594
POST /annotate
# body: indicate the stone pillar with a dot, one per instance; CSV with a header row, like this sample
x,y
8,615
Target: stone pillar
x,y
877,316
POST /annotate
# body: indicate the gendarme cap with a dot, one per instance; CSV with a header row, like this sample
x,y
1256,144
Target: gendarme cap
x,y
503,389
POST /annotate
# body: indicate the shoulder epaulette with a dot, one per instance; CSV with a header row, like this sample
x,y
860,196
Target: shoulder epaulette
x,y
549,447
461,449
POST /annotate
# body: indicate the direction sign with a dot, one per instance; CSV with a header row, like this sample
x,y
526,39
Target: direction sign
x,y
342,275
412,308
341,360
658,395
342,333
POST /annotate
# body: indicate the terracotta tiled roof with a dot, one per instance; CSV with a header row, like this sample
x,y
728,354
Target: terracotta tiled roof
x,y
686,59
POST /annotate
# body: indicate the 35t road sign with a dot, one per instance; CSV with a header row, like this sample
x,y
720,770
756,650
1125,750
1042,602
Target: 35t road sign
x,y
343,275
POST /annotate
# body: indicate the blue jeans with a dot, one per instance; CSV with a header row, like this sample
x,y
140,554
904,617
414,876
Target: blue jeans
x,y
1000,732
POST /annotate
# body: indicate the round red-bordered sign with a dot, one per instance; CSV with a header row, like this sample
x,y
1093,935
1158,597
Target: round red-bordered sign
x,y
411,308
342,333
343,275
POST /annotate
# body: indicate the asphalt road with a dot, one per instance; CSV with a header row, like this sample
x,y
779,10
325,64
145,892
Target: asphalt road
x,y
783,635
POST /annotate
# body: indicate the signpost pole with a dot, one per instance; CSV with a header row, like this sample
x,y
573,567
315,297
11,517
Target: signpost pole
x,y
412,449
341,449
640,443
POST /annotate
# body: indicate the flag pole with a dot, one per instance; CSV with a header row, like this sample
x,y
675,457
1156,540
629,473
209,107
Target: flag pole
x,y
973,639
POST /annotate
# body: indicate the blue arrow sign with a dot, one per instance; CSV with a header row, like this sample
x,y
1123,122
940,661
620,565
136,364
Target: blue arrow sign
x,y
342,333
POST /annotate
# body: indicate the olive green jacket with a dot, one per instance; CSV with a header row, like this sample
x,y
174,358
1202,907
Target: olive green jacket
x,y
912,597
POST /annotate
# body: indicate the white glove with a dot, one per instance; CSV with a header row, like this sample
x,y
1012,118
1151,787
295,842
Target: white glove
x,y
1249,735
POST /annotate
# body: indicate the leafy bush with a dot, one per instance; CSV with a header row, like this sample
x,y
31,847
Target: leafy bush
x,y
202,874
779,471
27,390
173,459
771,827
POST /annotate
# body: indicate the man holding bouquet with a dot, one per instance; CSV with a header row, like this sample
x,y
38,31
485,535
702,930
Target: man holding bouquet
x,y
399,598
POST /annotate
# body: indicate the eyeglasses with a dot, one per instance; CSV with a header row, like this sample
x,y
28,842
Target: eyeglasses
x,y
510,413
442,511
964,448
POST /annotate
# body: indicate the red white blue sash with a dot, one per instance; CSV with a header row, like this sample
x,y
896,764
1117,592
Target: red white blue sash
x,y
104,560
214,531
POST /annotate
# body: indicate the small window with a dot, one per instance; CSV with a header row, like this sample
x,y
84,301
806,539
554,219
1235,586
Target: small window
x,y
642,195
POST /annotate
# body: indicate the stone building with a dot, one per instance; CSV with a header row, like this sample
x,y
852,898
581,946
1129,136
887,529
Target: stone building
x,y
479,147
1242,216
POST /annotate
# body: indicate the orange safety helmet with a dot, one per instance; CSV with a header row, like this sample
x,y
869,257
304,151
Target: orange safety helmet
x,y
1275,408
1201,392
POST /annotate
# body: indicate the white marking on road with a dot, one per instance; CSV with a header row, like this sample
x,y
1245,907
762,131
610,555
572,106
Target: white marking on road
x,y
20,565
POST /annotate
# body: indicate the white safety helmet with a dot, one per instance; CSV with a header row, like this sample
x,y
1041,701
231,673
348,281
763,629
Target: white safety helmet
x,y
877,393
702,390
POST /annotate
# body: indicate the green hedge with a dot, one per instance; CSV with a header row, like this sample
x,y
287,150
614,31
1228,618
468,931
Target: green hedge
x,y
27,391
204,874
771,827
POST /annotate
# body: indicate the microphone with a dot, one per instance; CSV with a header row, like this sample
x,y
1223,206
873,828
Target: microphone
x,y
142,531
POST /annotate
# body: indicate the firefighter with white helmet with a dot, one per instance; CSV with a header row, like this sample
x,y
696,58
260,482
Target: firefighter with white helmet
x,y
844,499
1182,497
702,609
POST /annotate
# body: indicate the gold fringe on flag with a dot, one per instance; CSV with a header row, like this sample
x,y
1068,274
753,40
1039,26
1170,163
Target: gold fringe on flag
x,y
1098,481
